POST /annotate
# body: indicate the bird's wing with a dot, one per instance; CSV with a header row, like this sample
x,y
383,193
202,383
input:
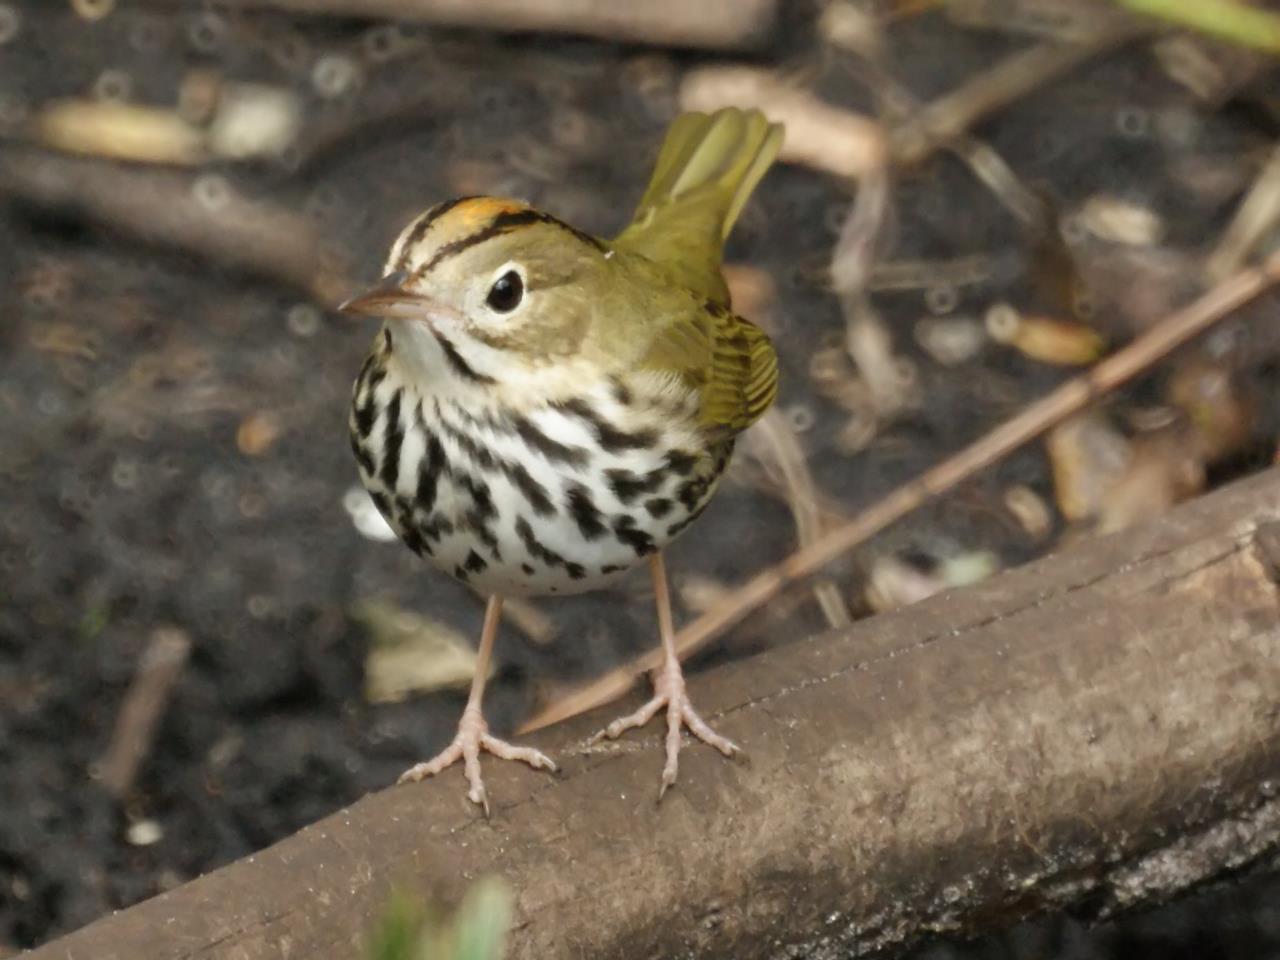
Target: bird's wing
x,y
729,361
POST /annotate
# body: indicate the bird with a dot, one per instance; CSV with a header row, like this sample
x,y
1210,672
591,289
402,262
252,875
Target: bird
x,y
543,410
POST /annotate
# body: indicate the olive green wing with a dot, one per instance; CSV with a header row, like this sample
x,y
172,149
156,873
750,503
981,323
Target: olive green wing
x,y
728,360
706,170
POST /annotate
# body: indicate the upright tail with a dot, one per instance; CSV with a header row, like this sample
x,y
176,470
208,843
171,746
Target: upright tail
x,y
706,170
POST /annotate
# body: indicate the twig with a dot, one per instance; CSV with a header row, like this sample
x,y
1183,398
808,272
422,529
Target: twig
x,y
855,250
988,166
963,271
717,24
797,482
997,176
1060,20
1011,79
1068,399
1258,213
144,704
200,215
530,620
866,338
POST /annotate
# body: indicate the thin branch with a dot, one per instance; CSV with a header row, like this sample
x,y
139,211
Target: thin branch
x,y
1258,214
1064,402
780,450
1013,78
716,24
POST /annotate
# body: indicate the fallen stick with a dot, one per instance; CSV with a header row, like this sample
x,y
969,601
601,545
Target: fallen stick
x,y
1064,402
1099,729
144,704
716,24
204,217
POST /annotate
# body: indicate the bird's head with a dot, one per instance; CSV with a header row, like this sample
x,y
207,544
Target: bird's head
x,y
483,290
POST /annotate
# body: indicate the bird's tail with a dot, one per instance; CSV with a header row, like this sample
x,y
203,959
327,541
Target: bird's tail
x,y
706,170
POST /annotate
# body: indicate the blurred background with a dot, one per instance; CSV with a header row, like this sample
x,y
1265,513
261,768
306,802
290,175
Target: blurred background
x,y
208,637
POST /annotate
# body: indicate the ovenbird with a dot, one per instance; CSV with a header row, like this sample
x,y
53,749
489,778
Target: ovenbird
x,y
543,408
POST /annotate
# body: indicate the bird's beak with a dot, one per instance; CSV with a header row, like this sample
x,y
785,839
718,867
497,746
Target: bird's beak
x,y
390,299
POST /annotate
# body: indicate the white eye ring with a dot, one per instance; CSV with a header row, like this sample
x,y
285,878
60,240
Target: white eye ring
x,y
507,289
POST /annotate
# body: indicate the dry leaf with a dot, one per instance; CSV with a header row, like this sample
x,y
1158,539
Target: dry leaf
x,y
121,131
1059,342
1087,455
257,433
1222,414
410,653
896,582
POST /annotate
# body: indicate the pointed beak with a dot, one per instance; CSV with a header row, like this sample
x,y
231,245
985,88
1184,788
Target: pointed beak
x,y
389,299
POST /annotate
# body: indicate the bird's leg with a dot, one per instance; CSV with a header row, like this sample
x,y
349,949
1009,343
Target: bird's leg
x,y
668,691
473,733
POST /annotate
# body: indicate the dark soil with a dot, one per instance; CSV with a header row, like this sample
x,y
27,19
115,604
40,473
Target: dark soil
x,y
127,369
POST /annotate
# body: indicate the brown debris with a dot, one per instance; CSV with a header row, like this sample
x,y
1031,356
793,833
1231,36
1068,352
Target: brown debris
x,y
1115,482
258,433
1062,343
1222,413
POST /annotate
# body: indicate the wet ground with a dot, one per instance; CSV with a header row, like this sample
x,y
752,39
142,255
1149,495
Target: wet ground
x,y
172,417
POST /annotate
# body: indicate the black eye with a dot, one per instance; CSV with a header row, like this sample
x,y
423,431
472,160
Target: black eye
x,y
506,293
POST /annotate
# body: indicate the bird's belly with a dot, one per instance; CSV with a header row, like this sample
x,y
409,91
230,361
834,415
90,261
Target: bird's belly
x,y
544,501
517,551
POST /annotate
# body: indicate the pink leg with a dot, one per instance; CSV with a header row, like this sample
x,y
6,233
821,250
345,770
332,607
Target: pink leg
x,y
473,733
668,691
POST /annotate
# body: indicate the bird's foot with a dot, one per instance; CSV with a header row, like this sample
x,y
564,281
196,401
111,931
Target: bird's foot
x,y
669,691
472,737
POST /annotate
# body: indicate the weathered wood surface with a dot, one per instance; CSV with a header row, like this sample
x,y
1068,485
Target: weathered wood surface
x,y
1100,727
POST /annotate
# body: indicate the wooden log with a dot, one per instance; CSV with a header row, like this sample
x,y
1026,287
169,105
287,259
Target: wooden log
x,y
1099,728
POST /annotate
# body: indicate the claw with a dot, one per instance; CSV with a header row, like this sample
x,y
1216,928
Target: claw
x,y
669,691
472,737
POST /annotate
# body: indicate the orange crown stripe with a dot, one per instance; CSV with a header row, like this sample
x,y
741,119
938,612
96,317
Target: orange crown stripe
x,y
481,210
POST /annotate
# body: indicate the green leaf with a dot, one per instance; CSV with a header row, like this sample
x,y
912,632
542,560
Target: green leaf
x,y
483,921
478,931
397,934
1230,20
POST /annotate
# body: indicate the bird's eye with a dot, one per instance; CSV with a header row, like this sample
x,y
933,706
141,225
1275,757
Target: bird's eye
x,y
506,293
